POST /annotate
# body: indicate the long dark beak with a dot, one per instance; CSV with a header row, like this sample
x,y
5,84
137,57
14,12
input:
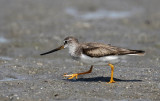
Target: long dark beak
x,y
54,50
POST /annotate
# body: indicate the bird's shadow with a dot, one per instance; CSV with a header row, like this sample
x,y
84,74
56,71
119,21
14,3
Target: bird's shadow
x,y
102,79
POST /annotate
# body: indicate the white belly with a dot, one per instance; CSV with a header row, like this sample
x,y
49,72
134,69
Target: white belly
x,y
98,61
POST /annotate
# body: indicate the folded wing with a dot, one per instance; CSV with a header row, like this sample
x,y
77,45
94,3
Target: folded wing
x,y
100,50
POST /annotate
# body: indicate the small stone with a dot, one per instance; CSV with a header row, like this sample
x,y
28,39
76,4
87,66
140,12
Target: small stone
x,y
40,64
159,85
56,95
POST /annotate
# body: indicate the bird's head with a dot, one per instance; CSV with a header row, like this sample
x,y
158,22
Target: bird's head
x,y
68,42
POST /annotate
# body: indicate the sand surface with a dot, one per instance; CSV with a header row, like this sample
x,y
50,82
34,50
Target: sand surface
x,y
31,27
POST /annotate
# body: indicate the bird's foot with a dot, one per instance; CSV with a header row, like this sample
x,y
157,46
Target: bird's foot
x,y
111,81
71,76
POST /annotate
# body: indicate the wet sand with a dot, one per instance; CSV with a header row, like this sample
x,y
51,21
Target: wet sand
x,y
31,27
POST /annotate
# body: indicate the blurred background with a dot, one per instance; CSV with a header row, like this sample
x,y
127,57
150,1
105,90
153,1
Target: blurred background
x,y
31,27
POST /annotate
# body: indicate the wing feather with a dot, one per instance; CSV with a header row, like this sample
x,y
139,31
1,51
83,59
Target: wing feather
x,y
100,50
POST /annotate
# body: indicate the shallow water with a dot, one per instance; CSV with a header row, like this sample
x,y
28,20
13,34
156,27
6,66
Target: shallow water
x,y
100,14
5,58
8,79
3,40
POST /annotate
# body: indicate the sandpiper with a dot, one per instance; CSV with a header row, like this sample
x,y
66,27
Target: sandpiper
x,y
94,54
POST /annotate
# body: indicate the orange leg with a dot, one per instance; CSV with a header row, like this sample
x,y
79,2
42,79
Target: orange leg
x,y
112,70
71,76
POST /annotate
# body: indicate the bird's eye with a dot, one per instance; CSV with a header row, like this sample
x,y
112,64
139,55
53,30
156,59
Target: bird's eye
x,y
65,42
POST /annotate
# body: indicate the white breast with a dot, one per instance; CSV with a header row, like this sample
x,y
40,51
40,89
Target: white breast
x,y
98,61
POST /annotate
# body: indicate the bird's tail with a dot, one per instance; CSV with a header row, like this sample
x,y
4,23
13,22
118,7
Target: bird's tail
x,y
137,52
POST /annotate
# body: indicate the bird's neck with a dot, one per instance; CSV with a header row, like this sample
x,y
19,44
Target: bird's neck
x,y
72,50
